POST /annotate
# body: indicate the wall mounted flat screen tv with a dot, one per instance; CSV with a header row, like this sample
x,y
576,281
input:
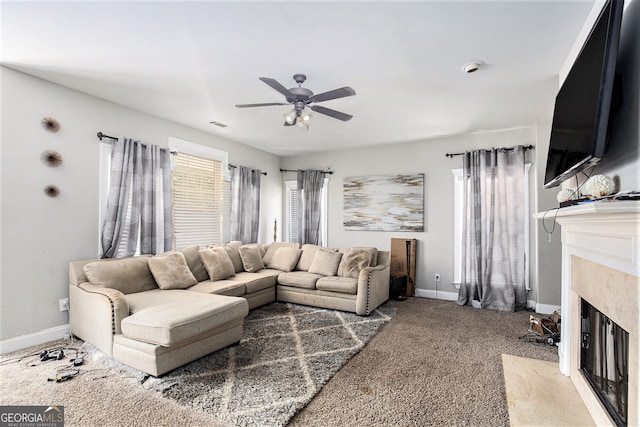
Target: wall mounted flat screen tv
x,y
579,131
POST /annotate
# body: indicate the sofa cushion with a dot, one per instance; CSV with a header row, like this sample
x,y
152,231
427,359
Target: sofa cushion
x,y
354,260
232,249
251,258
192,255
372,250
127,275
259,280
230,287
345,285
325,263
299,279
306,258
217,262
171,271
273,247
284,258
170,323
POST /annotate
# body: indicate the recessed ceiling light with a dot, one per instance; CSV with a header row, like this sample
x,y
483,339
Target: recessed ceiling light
x,y
472,66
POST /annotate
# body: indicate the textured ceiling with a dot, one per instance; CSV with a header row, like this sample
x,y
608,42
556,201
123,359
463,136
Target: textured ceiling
x,y
191,62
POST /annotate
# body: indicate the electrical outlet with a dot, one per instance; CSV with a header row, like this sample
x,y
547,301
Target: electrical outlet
x,y
64,304
437,277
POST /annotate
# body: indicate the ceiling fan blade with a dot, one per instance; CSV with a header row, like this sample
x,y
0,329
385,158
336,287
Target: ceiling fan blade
x,y
266,104
277,86
333,94
289,124
331,113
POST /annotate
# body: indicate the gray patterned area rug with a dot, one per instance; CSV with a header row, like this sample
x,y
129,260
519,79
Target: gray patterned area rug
x,y
286,354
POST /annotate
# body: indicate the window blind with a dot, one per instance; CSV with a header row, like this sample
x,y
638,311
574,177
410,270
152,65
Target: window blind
x,y
198,201
292,220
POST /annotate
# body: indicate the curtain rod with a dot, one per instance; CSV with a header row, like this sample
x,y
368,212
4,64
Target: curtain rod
x,y
234,166
296,170
102,135
528,147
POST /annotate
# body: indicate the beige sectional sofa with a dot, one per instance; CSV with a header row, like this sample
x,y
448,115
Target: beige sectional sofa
x,y
156,313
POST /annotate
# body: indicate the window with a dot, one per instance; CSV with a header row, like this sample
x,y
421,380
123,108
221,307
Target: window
x,y
201,195
291,207
198,200
291,210
458,191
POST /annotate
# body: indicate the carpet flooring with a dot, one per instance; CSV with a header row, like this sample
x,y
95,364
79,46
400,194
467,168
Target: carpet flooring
x,y
286,354
434,363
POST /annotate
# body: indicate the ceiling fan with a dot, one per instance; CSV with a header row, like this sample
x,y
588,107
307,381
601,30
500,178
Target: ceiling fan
x,y
301,97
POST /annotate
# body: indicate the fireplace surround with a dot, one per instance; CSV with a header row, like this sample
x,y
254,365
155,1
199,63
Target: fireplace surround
x,y
601,264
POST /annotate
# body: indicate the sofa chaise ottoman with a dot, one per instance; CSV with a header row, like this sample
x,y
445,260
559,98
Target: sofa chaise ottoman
x,y
121,310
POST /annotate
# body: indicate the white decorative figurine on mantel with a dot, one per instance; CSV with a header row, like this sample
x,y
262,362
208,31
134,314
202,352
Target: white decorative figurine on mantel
x,y
599,186
566,194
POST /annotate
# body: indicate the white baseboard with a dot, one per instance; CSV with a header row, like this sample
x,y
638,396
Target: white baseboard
x,y
546,308
430,293
41,337
453,296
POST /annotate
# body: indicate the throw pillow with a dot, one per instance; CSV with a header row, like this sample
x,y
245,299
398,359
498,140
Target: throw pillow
x,y
284,259
306,258
232,249
217,262
273,247
354,260
251,258
171,271
127,275
373,252
192,255
325,263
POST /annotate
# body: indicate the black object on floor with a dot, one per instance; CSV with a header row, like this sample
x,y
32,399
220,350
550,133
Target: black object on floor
x,y
398,288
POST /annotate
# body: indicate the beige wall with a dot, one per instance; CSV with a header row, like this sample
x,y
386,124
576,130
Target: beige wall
x,y
435,244
40,235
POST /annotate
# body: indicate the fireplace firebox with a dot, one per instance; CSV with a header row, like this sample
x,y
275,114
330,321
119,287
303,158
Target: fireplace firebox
x,y
604,361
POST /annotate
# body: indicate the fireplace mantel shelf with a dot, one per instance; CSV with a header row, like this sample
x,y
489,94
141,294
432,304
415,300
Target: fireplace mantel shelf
x,y
592,208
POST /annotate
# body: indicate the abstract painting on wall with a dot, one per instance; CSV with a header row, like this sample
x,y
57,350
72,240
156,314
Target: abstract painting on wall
x,y
384,202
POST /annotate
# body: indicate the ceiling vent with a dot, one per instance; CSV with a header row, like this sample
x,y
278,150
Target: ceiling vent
x,y
221,125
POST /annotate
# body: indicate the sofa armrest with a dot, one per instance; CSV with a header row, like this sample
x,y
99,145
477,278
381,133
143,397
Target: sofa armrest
x,y
373,289
95,314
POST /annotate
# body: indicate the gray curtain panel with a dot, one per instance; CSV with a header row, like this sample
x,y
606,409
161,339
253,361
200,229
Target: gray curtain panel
x,y
493,234
156,222
310,184
245,204
139,202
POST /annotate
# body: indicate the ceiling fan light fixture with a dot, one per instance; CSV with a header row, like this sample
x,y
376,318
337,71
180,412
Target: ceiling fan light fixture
x,y
306,118
290,117
301,98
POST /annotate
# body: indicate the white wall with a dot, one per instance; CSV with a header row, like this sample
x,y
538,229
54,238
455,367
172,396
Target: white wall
x,y
40,235
435,244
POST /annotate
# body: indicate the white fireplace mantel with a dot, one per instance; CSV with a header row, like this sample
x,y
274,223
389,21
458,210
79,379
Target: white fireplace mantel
x,y
606,233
